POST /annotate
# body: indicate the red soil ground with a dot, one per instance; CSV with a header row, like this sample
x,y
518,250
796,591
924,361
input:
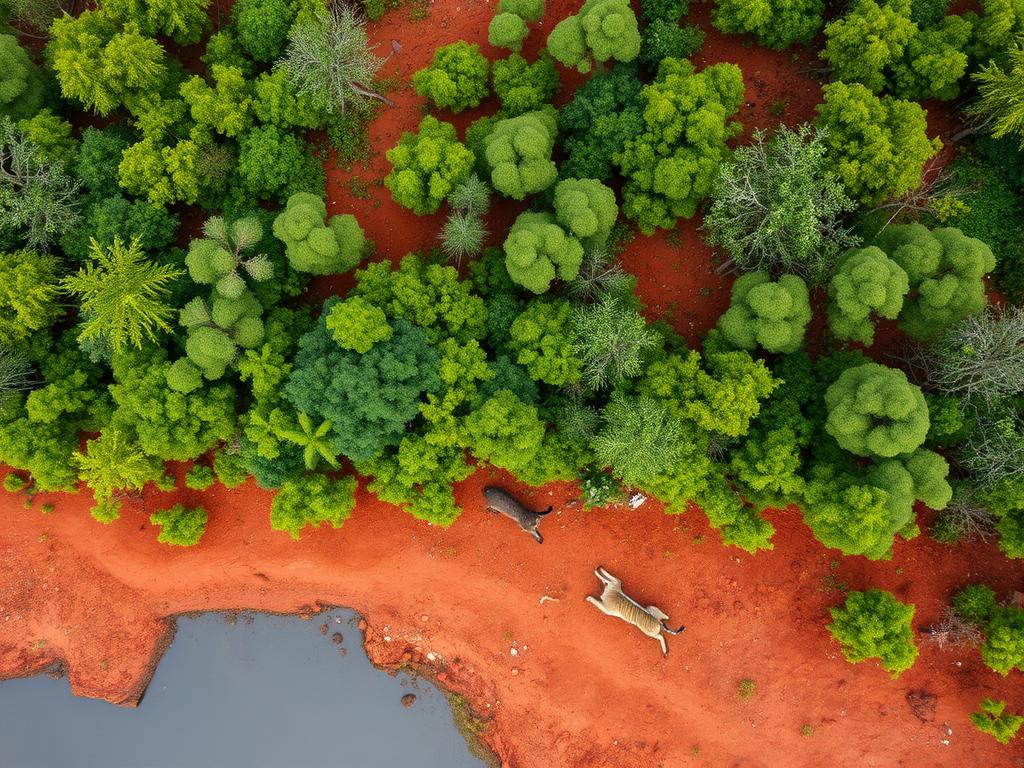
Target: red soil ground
x,y
582,690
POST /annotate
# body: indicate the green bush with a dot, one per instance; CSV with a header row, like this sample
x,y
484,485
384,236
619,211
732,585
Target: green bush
x,y
199,477
975,603
866,282
537,250
518,154
312,500
456,79
766,313
21,84
180,525
874,624
426,166
776,23
507,30
996,722
602,30
316,244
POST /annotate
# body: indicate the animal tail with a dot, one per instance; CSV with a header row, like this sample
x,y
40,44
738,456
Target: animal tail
x,y
547,511
672,631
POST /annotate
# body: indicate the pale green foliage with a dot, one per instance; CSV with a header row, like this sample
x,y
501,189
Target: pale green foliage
x,y
638,439
537,251
611,340
220,258
262,26
507,30
226,106
463,235
313,245
505,432
945,269
315,440
766,313
874,624
312,500
866,283
181,20
776,23
876,146
218,330
602,30
518,153
330,60
123,295
874,411
541,337
671,165
1003,649
1001,94
426,166
113,463
996,721
357,325
28,295
21,82
527,10
777,207
975,603
180,526
587,209
456,78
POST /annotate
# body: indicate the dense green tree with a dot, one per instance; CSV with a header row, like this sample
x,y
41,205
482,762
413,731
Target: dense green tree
x,y
537,250
877,146
996,721
776,206
1003,649
661,39
671,164
776,23
278,103
277,164
123,295
316,244
866,283
115,217
946,272
226,106
1001,95
874,624
602,30
223,257
998,25
311,500
638,438
587,209
975,603
611,339
523,87
518,154
357,325
766,313
507,30
220,329
52,134
505,431
28,295
527,10
541,338
455,79
21,85
426,166
180,526
181,20
874,411
111,464
262,27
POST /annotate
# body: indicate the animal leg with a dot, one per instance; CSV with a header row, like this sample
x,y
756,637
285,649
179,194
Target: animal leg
x,y
664,645
607,578
598,604
536,534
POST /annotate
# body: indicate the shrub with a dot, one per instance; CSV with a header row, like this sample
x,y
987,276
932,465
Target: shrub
x,y
523,87
639,438
777,207
776,23
874,624
199,477
537,250
602,30
587,209
426,166
463,235
874,411
766,313
1003,649
456,78
876,146
262,27
357,325
542,340
518,154
975,603
218,330
180,525
312,500
273,163
662,39
315,244
21,85
996,722
611,340
28,296
181,20
867,282
507,30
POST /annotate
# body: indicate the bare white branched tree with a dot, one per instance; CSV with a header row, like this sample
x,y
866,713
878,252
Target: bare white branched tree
x,y
16,372
330,60
941,186
964,519
953,631
600,275
994,448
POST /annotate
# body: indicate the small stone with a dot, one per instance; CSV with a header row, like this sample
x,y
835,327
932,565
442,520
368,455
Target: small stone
x,y
408,700
406,656
342,652
513,651
362,625
387,638
441,677
514,671
424,617
336,638
323,629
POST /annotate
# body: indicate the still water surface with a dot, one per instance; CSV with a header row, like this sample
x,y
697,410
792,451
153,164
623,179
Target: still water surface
x,y
264,692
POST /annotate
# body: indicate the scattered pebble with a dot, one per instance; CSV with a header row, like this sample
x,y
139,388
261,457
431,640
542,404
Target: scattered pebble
x,y
336,638
513,651
408,700
342,652
514,671
323,629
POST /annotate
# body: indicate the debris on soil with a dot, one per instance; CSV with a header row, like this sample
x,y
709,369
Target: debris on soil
x,y
408,700
336,638
922,704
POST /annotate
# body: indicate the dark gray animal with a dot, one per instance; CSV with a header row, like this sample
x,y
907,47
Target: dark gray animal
x,y
499,500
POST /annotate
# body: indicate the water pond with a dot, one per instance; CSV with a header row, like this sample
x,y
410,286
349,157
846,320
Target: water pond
x,y
261,691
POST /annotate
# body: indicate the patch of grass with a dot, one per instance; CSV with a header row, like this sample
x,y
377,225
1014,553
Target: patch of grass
x,y
746,689
778,107
359,188
350,137
46,509
806,729
472,728
419,11
695,750
832,582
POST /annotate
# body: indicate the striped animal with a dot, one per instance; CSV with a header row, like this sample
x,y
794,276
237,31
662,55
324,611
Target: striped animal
x,y
614,602
499,500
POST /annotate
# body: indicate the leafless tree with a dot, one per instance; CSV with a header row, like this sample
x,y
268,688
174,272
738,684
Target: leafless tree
x,y
938,183
953,631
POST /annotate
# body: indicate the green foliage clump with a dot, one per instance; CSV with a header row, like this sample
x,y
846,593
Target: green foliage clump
x,y
225,107
357,325
611,339
661,39
638,438
777,206
426,166
776,23
602,30
21,86
312,500
219,329
28,295
111,464
184,21
604,112
542,341
507,30
537,250
1003,649
220,258
975,603
315,244
518,154
123,295
766,313
180,526
587,209
262,27
866,282
671,164
200,477
946,271
996,721
273,163
874,624
876,146
522,87
874,411
456,79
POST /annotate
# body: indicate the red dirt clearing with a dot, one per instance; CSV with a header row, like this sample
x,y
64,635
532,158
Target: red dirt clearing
x,y
583,690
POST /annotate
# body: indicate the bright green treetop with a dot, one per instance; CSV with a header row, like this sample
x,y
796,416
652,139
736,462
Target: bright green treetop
x,y
226,106
766,313
357,324
312,500
527,10
184,21
316,246
456,79
21,82
587,209
262,26
542,341
426,166
602,30
996,721
1001,94
537,250
776,23
874,624
518,154
28,295
874,411
946,271
507,30
866,282
180,525
218,330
